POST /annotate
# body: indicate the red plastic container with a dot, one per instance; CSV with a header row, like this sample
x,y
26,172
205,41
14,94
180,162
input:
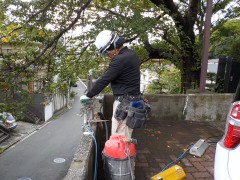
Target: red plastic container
x,y
116,147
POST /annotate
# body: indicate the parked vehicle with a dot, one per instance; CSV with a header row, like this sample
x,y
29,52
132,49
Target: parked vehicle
x,y
7,120
226,165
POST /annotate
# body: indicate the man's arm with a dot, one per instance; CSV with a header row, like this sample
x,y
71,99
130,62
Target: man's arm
x,y
113,71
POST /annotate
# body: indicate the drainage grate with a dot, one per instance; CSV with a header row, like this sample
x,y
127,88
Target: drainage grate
x,y
59,160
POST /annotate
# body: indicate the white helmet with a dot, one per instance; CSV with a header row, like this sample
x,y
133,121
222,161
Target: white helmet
x,y
104,39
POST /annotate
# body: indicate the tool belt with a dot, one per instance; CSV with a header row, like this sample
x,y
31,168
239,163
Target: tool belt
x,y
135,109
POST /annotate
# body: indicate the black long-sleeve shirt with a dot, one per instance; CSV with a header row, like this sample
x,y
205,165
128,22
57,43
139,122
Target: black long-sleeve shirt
x,y
123,73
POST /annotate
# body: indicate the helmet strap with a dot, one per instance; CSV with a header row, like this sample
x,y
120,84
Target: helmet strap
x,y
114,43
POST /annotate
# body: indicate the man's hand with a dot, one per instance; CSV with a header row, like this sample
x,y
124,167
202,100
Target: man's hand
x,y
84,99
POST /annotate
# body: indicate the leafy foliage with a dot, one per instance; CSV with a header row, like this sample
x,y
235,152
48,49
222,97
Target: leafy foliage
x,y
56,36
35,48
167,81
162,29
226,40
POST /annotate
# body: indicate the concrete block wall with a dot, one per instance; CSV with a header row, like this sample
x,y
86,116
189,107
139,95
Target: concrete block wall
x,y
166,107
194,107
207,107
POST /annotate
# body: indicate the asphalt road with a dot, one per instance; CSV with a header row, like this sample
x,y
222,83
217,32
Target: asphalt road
x,y
37,156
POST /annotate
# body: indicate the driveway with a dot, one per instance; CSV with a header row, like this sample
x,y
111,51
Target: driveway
x,y
162,142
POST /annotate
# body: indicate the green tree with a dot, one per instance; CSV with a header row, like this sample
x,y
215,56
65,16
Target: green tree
x,y
168,78
37,32
165,28
225,40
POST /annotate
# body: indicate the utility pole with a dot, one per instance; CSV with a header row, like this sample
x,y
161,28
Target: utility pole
x,y
204,64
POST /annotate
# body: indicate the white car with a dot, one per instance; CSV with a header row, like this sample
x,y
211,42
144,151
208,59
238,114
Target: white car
x,y
227,156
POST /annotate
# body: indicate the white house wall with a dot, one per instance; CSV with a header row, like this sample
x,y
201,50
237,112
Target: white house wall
x,y
212,65
48,111
57,102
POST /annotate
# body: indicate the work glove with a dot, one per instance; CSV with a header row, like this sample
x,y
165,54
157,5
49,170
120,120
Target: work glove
x,y
84,99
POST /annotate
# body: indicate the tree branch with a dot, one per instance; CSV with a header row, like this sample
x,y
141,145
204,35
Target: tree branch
x,y
131,39
59,35
34,15
85,48
192,12
112,12
41,11
145,60
153,53
170,8
171,42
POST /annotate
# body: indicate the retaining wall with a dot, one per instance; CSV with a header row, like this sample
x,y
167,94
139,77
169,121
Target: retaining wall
x,y
82,166
194,107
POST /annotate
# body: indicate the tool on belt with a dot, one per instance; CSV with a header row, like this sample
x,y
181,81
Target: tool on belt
x,y
135,108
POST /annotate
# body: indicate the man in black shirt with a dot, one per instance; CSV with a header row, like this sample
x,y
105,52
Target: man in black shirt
x,y
123,73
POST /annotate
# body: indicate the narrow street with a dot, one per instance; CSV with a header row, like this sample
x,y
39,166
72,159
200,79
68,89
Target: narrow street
x,y
47,153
